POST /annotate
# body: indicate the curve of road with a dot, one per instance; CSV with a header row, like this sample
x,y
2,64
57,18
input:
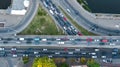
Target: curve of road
x,y
25,21
85,23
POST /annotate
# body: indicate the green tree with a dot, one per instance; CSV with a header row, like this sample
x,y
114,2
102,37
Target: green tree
x,y
92,63
83,60
25,59
43,62
64,65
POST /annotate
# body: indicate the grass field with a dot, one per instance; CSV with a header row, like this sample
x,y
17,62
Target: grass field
x,y
42,24
83,31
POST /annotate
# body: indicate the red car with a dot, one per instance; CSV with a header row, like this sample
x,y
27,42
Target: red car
x,y
104,40
89,39
65,18
80,34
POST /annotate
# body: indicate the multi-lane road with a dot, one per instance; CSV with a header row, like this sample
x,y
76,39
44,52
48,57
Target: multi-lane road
x,y
62,41
59,17
101,53
76,15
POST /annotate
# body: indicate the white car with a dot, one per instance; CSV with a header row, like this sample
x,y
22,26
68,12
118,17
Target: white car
x,y
103,56
13,49
112,43
77,49
44,49
94,56
92,53
18,42
2,48
70,52
25,55
83,53
61,42
96,40
21,39
58,39
96,49
35,52
14,55
64,28
69,10
57,52
44,39
50,56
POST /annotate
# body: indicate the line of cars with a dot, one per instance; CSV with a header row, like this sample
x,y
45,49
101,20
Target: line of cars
x,y
62,20
59,40
76,52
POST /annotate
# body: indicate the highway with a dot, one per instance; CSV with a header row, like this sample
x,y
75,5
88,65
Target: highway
x,y
101,53
59,17
62,41
75,14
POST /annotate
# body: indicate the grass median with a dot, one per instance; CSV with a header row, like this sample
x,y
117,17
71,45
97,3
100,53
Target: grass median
x,y
83,31
42,24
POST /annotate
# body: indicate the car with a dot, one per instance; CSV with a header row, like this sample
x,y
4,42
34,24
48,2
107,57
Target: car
x,y
107,60
18,42
94,56
50,56
58,39
13,48
96,40
37,55
68,10
57,52
44,39
14,55
35,52
70,52
80,34
89,39
101,43
25,55
71,39
61,43
3,54
96,49
103,56
104,40
65,18
36,39
112,43
21,39
44,49
5,42
103,53
92,53
65,49
83,53
115,52
2,48
77,49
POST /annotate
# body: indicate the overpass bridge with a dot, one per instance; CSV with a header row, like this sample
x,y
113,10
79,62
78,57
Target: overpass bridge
x,y
61,41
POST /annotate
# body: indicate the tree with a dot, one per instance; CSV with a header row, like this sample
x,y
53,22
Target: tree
x,y
92,63
25,59
43,62
64,65
83,60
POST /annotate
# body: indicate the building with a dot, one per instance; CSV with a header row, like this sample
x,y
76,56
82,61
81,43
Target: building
x,y
19,7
